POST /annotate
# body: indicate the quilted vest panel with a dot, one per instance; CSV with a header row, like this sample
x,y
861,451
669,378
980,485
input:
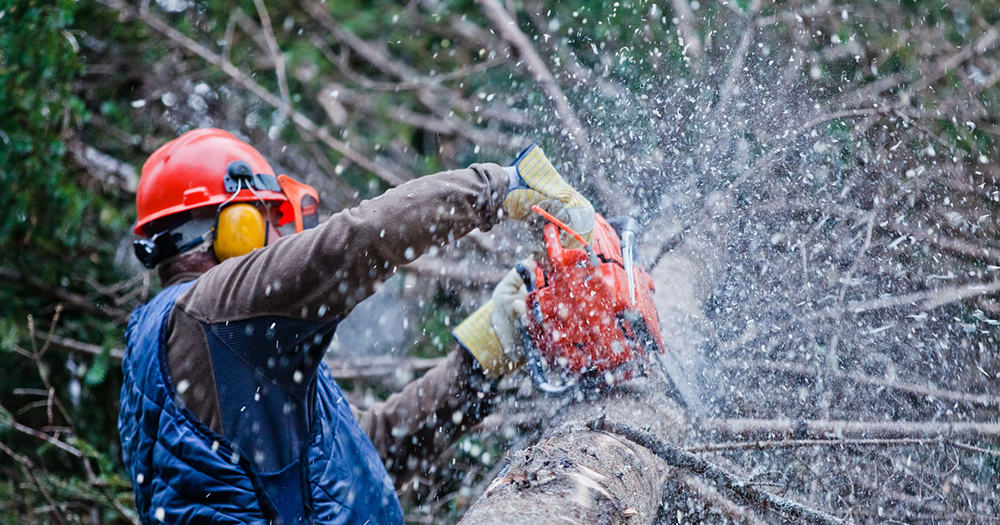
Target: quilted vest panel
x,y
182,472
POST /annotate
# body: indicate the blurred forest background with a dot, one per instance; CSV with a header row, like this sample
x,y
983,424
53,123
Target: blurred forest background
x,y
831,165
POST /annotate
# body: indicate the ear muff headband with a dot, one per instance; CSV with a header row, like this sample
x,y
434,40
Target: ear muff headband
x,y
239,229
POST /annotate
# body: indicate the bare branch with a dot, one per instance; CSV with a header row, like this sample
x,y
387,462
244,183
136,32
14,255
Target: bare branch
x,y
570,66
685,17
507,27
952,245
68,298
825,429
104,167
275,51
369,52
728,89
442,101
785,367
310,129
927,300
87,348
984,43
375,367
61,445
678,457
798,443
28,469
733,512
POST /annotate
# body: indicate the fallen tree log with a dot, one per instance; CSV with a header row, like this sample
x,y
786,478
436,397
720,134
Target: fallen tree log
x,y
575,474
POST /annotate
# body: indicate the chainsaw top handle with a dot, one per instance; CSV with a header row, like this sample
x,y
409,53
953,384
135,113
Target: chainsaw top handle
x,y
552,244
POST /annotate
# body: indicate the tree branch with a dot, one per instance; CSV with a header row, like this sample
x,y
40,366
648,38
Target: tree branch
x,y
68,298
785,367
72,344
373,367
685,17
507,27
310,128
825,429
678,457
61,445
275,51
28,469
798,443
927,300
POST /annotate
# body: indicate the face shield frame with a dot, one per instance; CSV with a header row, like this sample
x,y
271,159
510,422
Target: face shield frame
x,y
301,207
303,200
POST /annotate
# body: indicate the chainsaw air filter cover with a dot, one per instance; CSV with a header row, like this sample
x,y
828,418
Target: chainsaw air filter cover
x,y
591,321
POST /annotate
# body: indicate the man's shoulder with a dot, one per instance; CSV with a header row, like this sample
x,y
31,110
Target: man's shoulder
x,y
161,304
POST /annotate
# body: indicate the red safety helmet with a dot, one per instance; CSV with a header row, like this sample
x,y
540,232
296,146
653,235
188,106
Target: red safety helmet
x,y
210,168
189,172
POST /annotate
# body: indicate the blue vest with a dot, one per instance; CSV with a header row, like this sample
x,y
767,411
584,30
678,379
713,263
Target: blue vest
x,y
183,472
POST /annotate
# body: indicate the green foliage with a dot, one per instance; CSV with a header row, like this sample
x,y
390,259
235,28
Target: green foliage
x,y
55,231
37,63
57,224
98,370
436,327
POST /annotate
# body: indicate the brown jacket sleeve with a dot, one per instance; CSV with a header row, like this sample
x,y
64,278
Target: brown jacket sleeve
x,y
321,274
413,427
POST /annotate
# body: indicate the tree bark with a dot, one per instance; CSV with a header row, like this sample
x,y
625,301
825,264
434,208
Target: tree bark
x,y
578,475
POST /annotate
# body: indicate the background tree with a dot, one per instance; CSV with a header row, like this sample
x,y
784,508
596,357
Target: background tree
x,y
817,182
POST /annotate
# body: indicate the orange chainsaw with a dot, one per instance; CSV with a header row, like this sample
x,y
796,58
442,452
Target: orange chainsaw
x,y
591,317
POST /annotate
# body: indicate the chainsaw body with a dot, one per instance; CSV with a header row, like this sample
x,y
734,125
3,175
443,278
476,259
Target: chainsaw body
x,y
590,315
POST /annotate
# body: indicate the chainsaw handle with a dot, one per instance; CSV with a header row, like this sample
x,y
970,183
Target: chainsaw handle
x,y
531,353
553,247
525,274
538,374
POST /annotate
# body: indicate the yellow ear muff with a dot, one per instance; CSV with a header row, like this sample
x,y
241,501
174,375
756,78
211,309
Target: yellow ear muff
x,y
239,230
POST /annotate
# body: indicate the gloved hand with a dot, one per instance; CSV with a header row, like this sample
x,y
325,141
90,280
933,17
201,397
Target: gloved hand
x,y
492,334
533,180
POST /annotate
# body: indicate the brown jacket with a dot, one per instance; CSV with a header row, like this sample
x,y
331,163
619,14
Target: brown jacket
x,y
320,275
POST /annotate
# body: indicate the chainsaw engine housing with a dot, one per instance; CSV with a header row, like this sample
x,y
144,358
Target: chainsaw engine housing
x,y
588,320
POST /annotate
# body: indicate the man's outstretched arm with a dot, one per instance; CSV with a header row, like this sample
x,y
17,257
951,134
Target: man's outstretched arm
x,y
321,274
413,426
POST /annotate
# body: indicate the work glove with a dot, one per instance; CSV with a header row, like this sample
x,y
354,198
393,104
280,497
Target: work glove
x,y
533,180
492,334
